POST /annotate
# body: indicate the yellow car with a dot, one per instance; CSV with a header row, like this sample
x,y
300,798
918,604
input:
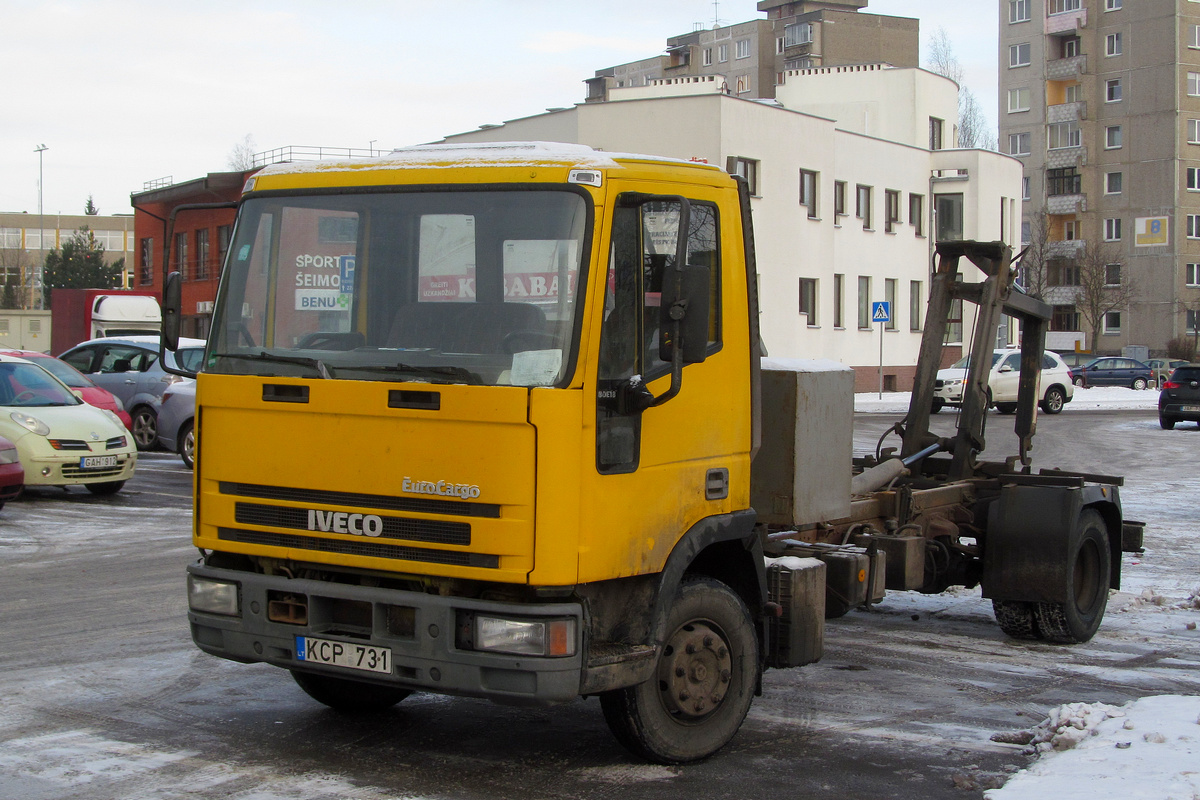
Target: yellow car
x,y
62,441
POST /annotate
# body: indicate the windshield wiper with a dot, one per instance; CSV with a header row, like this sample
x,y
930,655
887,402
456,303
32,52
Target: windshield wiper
x,y
315,363
462,374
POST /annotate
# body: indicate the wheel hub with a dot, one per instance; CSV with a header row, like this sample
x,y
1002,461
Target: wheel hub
x,y
695,670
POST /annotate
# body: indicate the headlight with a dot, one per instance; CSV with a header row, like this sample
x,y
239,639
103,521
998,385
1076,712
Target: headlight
x,y
548,637
113,416
31,424
212,597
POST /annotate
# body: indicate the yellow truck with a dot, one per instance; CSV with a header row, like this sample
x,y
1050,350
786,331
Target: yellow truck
x,y
486,421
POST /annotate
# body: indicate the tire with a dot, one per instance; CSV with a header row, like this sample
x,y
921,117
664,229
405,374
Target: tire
x,y
102,489
349,696
1054,400
145,428
187,445
1016,619
1079,382
937,405
707,673
1166,423
1077,619
1006,408
1139,384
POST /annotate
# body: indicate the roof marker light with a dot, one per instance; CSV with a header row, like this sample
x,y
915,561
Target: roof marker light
x,y
587,177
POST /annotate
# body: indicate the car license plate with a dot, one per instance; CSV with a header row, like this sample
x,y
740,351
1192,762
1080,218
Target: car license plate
x,y
97,462
344,654
1189,408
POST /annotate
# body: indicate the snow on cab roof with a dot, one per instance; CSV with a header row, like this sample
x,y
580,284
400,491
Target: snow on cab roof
x,y
494,154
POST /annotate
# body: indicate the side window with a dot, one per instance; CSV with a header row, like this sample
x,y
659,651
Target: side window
x,y
126,359
1013,361
81,359
1048,362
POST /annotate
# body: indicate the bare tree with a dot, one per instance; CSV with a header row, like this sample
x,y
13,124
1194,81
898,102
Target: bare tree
x,y
941,58
241,157
1035,263
973,129
1105,285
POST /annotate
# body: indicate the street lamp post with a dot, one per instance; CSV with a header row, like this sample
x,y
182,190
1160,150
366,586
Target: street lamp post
x,y
41,263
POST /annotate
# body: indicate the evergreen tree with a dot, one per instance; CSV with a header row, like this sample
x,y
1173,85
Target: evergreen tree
x,y
80,265
90,209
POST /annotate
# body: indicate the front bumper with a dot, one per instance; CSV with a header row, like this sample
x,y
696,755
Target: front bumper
x,y
425,656
62,469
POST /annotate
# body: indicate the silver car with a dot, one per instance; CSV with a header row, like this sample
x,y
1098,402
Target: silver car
x,y
176,420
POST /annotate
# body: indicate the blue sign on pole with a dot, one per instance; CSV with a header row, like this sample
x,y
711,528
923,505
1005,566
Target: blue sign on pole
x,y
881,312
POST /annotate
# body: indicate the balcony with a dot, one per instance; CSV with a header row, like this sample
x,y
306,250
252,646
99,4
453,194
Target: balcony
x,y
1061,69
1067,21
1066,112
1066,204
1064,249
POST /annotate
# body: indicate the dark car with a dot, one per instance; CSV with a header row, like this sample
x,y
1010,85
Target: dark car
x,y
1113,371
1179,398
1075,360
12,474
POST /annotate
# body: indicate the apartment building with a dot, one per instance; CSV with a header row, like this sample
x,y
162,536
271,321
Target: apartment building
x,y
25,237
847,201
1100,101
749,59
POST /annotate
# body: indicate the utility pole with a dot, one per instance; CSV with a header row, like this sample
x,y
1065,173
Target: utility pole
x,y
41,262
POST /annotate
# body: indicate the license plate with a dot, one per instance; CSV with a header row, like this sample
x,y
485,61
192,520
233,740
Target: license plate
x,y
97,462
344,654
1189,408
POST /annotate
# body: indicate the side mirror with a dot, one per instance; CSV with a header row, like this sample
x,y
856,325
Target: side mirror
x,y
685,299
1005,368
172,307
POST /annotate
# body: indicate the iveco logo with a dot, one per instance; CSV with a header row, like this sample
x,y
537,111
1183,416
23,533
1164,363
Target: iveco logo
x,y
341,522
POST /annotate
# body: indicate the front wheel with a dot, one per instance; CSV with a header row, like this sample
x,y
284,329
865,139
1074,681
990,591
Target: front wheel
x,y
1079,617
187,445
107,488
145,428
706,676
1006,408
937,405
347,696
1139,383
1054,400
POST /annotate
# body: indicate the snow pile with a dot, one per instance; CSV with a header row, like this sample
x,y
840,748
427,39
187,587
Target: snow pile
x,y
1098,397
1149,748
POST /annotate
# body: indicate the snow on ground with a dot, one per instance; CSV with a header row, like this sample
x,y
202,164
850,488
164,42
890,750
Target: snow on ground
x,y
1149,748
1107,397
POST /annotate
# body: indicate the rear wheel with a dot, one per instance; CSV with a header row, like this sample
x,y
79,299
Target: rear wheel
x,y
1054,400
145,428
706,676
1166,423
187,445
342,694
1016,618
1077,619
1079,382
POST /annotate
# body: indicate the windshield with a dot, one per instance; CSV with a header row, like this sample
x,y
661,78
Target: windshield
x,y
26,385
446,287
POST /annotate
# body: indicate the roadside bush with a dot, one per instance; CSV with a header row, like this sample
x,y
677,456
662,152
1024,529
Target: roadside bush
x,y
1182,347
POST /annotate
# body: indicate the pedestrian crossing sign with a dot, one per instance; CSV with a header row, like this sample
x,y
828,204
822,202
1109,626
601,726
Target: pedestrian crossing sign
x,y
881,312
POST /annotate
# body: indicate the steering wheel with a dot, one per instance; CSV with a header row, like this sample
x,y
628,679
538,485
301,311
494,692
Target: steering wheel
x,y
519,341
25,395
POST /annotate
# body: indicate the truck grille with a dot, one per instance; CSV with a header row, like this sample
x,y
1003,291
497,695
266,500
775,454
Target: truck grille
x,y
416,530
355,547
457,508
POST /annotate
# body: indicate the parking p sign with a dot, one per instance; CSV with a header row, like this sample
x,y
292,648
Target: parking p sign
x,y
881,312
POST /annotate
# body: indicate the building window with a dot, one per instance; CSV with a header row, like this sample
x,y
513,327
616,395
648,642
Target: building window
x,y
1069,232
891,209
1194,37
936,127
1112,5
1025,188
1064,180
1112,44
1112,322
889,296
1073,93
839,199
808,299
1112,90
1063,6
808,192
1193,275
181,254
1018,55
723,53
743,84
746,168
1193,88
1193,226
916,302
839,300
1019,143
1069,47
1193,179
1018,11
741,48
1112,182
1112,230
798,34
916,213
862,205
1018,100
1063,134
1064,273
1112,274
1112,137
147,272
202,254
706,58
864,302
948,211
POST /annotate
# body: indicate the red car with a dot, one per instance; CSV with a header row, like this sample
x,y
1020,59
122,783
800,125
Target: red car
x,y
12,474
76,381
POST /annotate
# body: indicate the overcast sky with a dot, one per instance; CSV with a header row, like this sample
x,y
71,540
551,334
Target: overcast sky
x,y
125,92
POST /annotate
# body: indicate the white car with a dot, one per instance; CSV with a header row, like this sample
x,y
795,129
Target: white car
x,y
1056,388
62,441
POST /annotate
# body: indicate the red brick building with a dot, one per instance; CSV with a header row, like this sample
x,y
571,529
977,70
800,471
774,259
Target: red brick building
x,y
199,242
